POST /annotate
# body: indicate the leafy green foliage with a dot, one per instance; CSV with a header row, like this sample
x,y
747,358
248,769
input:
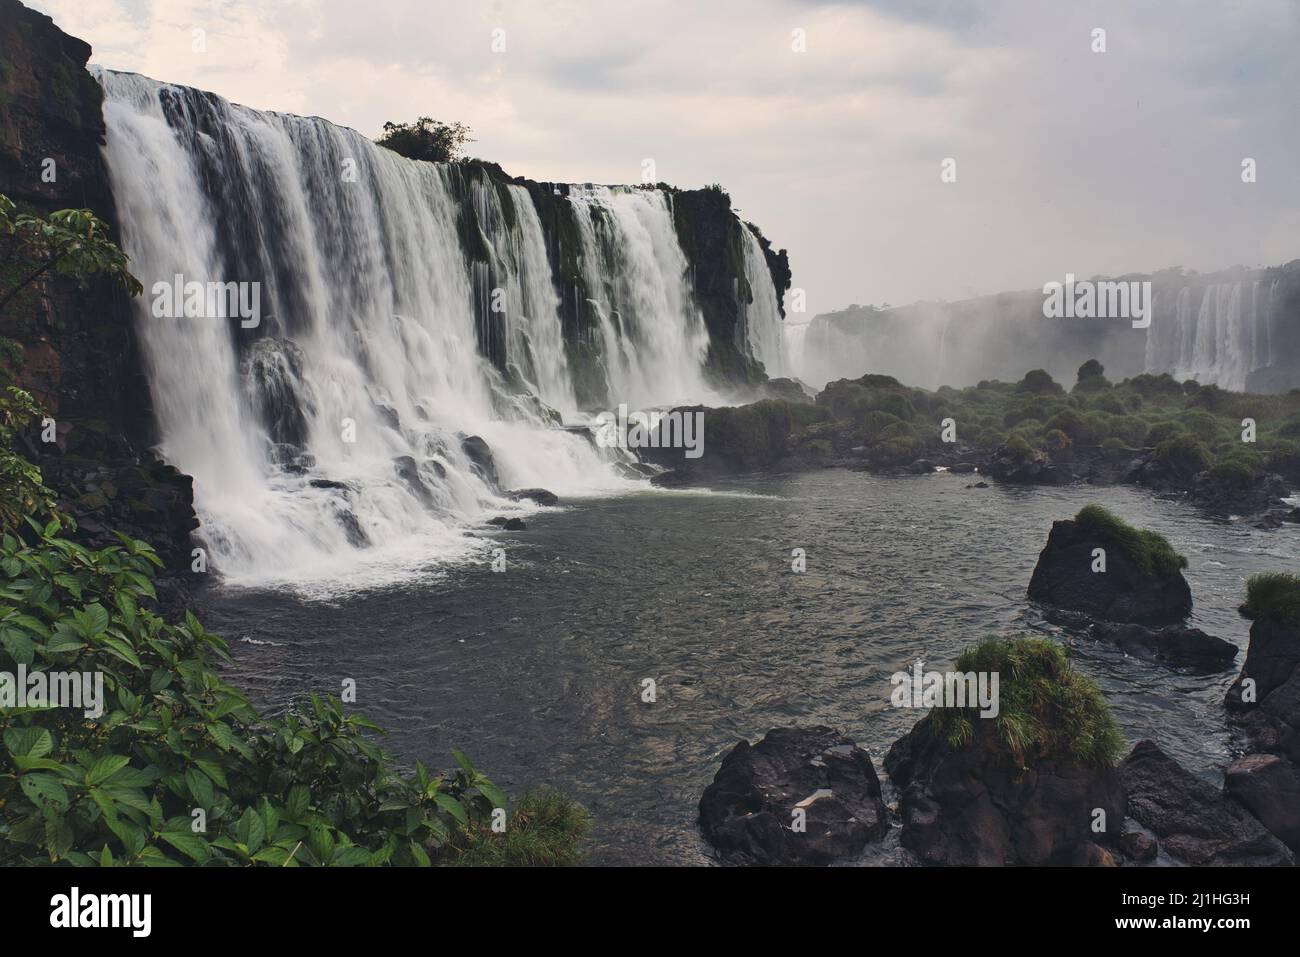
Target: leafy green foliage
x,y
1148,550
426,139
172,738
22,489
1273,596
69,242
1046,710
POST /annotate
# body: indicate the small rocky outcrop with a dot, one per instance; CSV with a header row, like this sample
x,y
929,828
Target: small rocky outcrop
x,y
748,812
1013,788
974,805
1025,467
539,495
1268,786
479,454
1193,821
1183,649
1142,581
1264,705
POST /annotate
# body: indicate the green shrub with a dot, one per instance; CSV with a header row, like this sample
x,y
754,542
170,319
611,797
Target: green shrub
x,y
1273,596
1163,430
545,830
1112,445
1046,710
1148,550
1235,472
172,737
1038,382
1184,453
1201,424
1018,449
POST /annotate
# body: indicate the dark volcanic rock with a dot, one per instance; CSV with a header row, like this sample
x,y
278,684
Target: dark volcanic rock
x,y
1125,592
976,806
409,473
538,495
1271,659
1229,497
479,454
1193,821
514,525
1175,646
748,810
1037,468
1268,786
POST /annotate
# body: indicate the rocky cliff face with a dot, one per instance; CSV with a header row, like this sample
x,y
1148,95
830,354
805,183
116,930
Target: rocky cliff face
x,y
75,348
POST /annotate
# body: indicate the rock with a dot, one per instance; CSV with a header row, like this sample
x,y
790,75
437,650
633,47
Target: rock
x,y
1177,647
1229,496
748,810
409,473
1271,659
975,806
1193,821
1268,786
1124,592
356,535
272,371
1137,843
514,525
328,484
921,467
1036,468
978,485
538,495
498,520
1292,516
962,468
479,454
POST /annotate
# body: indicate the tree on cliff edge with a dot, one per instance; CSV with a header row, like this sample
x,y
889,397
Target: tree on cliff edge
x,y
426,139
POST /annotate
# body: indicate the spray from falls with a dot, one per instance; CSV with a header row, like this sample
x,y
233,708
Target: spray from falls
x,y
334,440
1217,334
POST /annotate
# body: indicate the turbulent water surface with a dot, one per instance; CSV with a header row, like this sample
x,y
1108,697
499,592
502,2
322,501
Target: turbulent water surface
x,y
537,672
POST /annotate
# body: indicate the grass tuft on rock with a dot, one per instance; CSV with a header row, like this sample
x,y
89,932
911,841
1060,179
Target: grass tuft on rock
x,y
1273,596
546,829
1046,709
1150,551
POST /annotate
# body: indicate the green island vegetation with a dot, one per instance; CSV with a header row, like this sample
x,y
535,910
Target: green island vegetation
x,y
1047,710
1273,596
1188,428
1149,550
173,765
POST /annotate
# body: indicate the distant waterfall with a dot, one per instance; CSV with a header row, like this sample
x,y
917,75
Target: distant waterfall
x,y
1216,334
328,443
762,317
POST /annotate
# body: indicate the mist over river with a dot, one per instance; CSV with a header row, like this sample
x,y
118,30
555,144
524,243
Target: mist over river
x,y
536,673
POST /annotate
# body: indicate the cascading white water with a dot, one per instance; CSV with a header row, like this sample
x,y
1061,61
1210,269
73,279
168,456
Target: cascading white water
x,y
654,338
1217,335
328,446
762,318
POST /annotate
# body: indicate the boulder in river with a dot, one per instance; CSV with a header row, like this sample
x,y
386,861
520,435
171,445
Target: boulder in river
x,y
1184,649
1194,821
1101,566
1268,786
749,812
479,454
539,495
1024,786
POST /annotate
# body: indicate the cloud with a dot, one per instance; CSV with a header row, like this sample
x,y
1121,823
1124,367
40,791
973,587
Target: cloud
x,y
1068,160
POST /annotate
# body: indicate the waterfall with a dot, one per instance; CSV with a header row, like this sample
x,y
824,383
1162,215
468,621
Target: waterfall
x,y
328,444
653,337
762,317
1216,334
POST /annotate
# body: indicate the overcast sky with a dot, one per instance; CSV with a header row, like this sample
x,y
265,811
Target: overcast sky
x,y
1067,160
